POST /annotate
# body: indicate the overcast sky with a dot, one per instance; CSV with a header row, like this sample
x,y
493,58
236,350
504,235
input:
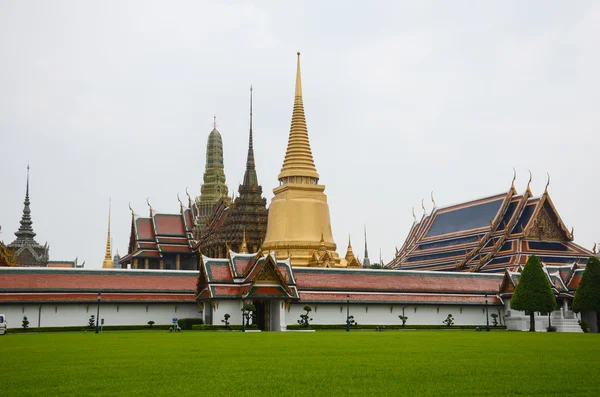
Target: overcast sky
x,y
116,99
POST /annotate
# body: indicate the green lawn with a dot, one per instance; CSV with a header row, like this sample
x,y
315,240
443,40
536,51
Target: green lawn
x,y
152,363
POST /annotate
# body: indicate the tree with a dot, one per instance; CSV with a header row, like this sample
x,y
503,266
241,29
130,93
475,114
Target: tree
x,y
25,323
151,323
304,318
449,321
533,292
247,311
403,319
587,296
92,322
225,320
376,266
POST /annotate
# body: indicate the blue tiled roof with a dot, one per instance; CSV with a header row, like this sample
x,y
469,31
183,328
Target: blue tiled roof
x,y
472,217
441,255
538,245
508,214
525,217
447,243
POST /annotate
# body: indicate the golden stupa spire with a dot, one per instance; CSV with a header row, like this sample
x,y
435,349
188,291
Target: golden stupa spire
x,y
108,262
244,247
298,160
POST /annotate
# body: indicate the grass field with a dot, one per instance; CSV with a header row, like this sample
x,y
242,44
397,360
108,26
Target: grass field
x,y
153,363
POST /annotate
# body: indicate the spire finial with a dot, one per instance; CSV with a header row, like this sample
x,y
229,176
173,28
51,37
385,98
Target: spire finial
x,y
529,183
414,216
514,178
547,183
215,122
108,262
594,249
244,247
298,161
148,202
366,251
180,203
349,243
131,209
432,199
423,206
250,178
189,197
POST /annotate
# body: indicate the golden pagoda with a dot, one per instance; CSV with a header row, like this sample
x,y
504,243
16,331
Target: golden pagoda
x,y
108,262
299,225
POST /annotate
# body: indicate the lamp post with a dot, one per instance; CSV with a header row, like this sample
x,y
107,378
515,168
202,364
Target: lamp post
x,y
347,313
487,319
98,311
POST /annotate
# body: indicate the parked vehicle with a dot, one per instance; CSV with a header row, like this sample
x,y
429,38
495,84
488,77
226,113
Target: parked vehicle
x,y
2,324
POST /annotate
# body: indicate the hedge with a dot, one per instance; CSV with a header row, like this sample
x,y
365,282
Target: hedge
x,y
207,327
294,327
81,329
187,323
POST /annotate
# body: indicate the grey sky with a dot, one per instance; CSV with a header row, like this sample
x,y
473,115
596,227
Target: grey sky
x,y
115,98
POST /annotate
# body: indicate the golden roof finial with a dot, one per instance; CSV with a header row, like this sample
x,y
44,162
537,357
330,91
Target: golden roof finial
x,y
514,178
423,206
594,249
148,202
244,247
414,216
529,183
349,243
432,199
108,262
131,209
180,203
298,160
189,197
547,183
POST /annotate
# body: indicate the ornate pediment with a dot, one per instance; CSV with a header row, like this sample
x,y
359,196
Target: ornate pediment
x,y
545,226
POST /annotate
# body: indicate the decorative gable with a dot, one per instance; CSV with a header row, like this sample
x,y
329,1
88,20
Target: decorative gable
x,y
546,225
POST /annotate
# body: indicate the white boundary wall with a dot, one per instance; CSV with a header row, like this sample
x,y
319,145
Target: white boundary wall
x,y
75,314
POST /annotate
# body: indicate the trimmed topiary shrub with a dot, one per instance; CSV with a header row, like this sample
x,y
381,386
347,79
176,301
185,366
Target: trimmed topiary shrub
x,y
587,296
225,320
533,292
449,321
25,323
151,323
305,318
92,322
494,319
403,319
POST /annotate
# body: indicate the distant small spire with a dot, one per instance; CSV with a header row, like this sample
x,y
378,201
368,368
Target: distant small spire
x,y
215,122
250,177
25,231
108,261
244,247
366,262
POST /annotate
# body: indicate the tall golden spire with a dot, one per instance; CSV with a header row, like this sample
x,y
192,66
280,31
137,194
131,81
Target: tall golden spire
x,y
108,262
298,160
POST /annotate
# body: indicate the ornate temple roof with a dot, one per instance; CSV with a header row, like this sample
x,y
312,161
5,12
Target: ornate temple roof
x,y
78,285
298,160
246,216
564,280
27,251
160,234
246,276
489,235
214,186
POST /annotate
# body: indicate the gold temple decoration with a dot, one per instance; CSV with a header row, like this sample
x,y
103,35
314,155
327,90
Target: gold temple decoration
x,y
514,178
298,224
180,203
244,247
108,262
432,199
413,214
547,184
150,206
594,249
529,183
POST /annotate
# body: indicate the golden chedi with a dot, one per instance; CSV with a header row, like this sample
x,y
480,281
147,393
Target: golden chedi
x,y
299,225
108,262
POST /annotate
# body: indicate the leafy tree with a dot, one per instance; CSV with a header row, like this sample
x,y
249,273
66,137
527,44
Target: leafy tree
x,y
403,319
494,319
587,296
25,323
305,318
225,320
376,266
92,322
449,321
533,292
351,322
151,323
248,311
